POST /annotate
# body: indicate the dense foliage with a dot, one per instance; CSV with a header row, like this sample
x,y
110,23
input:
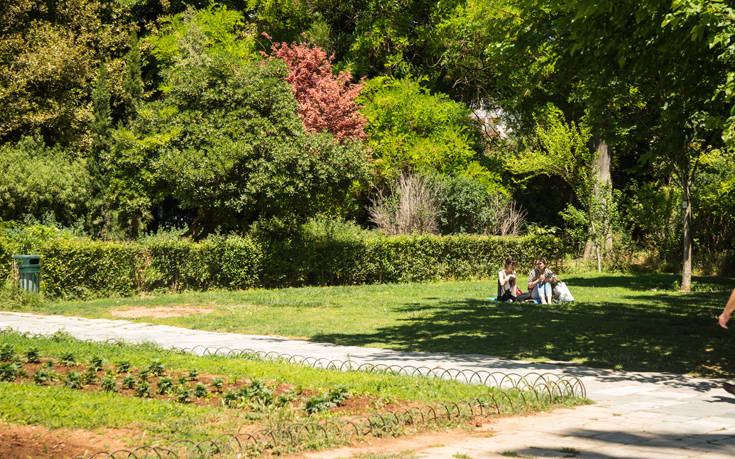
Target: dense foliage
x,y
120,118
318,254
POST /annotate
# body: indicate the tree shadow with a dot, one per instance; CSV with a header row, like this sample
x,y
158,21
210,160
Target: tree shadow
x,y
677,334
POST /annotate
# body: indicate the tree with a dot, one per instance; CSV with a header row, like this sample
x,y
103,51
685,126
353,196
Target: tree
x,y
413,130
49,55
326,101
563,150
636,43
226,143
38,180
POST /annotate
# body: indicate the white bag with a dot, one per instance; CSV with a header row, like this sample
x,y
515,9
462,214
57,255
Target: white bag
x,y
561,291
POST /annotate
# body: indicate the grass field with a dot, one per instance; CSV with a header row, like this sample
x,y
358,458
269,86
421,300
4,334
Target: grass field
x,y
631,322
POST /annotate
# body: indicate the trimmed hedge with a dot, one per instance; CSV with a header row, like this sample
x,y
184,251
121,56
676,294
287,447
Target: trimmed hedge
x,y
79,267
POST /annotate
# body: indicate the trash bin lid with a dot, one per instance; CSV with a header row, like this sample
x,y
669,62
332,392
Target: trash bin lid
x,y
27,260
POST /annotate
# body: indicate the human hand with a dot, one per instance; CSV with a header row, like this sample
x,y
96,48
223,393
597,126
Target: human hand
x,y
724,317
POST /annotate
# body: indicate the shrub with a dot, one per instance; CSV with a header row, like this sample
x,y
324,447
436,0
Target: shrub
x,y
129,382
7,352
8,372
68,359
317,404
44,376
218,383
123,366
317,254
73,380
90,376
109,383
33,355
200,391
143,390
165,386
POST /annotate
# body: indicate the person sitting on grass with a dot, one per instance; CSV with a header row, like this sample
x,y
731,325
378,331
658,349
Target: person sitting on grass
x,y
507,281
541,282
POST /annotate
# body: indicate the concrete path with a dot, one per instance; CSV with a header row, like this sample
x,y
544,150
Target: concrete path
x,y
636,415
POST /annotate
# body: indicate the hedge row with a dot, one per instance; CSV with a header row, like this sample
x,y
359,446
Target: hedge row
x,y
79,267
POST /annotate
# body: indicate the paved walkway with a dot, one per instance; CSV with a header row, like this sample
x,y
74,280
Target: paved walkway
x,y
636,415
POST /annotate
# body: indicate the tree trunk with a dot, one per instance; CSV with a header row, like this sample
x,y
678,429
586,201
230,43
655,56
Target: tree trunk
x,y
686,270
602,167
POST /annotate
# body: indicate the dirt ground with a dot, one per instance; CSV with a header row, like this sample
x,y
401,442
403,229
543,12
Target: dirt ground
x,y
23,442
157,312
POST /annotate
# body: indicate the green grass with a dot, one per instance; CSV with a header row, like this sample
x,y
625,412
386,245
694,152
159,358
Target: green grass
x,y
60,407
631,322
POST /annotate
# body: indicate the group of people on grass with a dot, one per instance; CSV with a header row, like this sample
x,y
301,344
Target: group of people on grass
x,y
543,285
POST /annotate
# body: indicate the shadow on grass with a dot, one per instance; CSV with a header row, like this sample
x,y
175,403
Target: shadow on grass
x,y
668,332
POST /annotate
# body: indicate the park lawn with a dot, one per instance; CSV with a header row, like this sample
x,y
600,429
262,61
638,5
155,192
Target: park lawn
x,y
629,322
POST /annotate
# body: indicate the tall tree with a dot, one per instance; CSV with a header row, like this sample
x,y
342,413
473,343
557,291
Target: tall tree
x,y
675,73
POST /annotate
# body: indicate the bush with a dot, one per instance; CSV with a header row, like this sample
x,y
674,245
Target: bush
x,y
319,254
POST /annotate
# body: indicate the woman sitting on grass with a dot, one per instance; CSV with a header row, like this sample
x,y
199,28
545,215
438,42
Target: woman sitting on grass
x,y
541,282
507,281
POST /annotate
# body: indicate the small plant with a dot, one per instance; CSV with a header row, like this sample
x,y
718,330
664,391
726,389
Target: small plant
x,y
129,382
68,359
317,404
165,386
156,368
7,352
48,363
285,398
143,390
123,366
183,394
193,374
33,356
8,371
95,363
200,391
44,376
73,380
61,335
218,384
230,399
108,383
143,375
258,391
90,376
183,380
338,395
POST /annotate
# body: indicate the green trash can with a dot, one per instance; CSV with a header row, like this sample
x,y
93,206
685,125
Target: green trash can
x,y
29,272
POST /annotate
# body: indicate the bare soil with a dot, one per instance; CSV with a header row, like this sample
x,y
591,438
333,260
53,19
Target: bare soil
x,y
157,312
18,441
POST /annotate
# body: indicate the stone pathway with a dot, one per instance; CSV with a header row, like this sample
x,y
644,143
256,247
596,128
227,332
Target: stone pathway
x,y
635,415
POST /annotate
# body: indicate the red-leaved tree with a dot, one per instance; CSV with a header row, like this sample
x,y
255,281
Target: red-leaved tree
x,y
326,101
